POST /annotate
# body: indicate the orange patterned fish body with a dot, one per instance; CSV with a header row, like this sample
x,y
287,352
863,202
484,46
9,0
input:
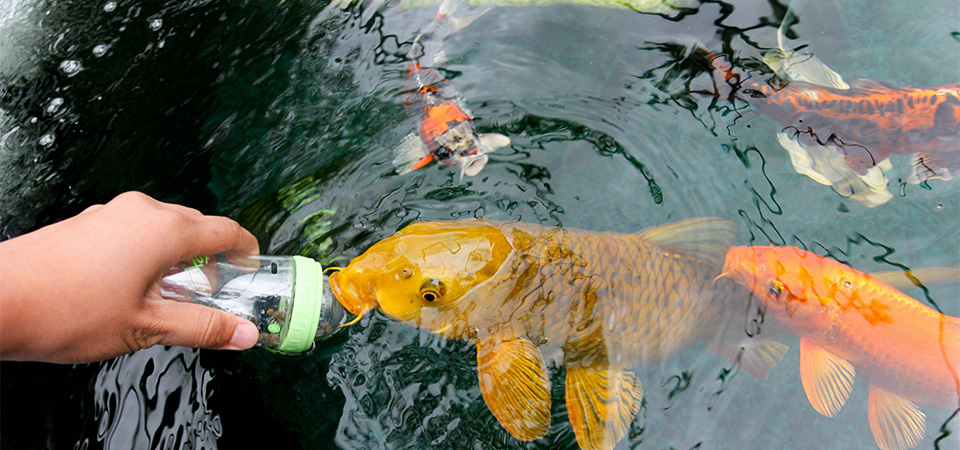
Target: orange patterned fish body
x,y
871,121
446,132
866,123
610,302
851,323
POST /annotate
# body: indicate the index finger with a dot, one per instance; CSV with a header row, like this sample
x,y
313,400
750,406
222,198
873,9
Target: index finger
x,y
210,235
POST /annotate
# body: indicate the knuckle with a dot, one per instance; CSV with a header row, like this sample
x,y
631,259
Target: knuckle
x,y
235,229
213,330
171,220
132,197
145,336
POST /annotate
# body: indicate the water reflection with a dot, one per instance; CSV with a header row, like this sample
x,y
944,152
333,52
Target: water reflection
x,y
155,398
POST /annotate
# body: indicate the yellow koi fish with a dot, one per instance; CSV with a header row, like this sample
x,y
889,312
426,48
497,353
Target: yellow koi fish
x,y
611,303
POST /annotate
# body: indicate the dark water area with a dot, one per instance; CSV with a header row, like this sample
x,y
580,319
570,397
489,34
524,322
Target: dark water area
x,y
283,115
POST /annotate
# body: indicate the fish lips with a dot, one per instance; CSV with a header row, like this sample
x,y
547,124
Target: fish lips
x,y
735,264
472,165
348,295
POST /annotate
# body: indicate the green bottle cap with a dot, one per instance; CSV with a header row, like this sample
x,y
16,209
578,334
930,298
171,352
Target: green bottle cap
x,y
300,328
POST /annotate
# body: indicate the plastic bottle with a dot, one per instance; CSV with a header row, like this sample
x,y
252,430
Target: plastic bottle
x,y
285,297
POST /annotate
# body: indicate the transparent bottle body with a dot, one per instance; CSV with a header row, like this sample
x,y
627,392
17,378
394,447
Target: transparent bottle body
x,y
258,288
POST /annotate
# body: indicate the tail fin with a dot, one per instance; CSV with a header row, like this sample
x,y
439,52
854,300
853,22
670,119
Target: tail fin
x,y
452,16
791,65
723,83
458,14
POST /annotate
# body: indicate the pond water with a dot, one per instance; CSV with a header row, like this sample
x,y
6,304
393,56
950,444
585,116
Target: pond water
x,y
284,115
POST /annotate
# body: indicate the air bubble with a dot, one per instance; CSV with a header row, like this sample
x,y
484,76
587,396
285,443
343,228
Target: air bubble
x,y
47,139
109,6
155,24
54,105
99,50
70,67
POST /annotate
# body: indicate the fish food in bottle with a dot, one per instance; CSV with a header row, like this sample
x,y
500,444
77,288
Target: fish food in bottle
x,y
286,297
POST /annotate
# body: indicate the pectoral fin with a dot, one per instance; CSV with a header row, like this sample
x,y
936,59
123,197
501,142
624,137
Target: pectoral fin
x,y
490,142
896,422
515,386
927,167
827,378
827,165
755,356
411,154
601,404
806,67
800,66
472,165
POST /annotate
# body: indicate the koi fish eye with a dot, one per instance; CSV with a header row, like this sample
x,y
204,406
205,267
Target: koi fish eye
x,y
432,290
775,288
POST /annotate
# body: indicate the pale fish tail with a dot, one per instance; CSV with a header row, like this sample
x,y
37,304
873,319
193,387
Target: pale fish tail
x,y
452,16
791,65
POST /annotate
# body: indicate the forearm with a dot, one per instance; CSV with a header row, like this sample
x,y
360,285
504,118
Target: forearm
x,y
17,291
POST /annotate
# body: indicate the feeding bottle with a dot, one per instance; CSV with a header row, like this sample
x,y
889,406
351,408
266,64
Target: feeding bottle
x,y
285,297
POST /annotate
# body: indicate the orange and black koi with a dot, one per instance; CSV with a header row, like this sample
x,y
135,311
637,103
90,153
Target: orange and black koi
x,y
446,132
869,122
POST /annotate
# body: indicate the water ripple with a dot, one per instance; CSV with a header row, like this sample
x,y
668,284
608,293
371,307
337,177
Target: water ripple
x,y
156,398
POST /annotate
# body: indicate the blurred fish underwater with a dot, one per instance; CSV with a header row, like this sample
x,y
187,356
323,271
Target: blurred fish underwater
x,y
446,130
843,136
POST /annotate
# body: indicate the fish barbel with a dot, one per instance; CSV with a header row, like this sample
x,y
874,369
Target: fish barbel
x,y
851,323
610,302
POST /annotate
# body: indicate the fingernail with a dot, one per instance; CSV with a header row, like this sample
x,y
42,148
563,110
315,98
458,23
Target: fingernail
x,y
244,336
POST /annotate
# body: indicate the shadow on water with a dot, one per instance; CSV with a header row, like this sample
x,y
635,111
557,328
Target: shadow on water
x,y
284,116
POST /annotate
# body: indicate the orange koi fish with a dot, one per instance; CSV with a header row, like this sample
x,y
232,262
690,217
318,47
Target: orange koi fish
x,y
850,323
447,133
860,127
610,303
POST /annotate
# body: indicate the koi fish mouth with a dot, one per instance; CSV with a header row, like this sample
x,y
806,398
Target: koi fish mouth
x,y
733,265
347,296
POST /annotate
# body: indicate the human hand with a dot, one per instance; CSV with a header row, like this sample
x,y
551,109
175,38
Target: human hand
x,y
88,288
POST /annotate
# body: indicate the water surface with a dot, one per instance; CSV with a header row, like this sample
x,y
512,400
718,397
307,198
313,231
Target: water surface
x,y
284,116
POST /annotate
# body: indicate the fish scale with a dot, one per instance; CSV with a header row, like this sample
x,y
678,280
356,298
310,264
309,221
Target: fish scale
x,y
668,296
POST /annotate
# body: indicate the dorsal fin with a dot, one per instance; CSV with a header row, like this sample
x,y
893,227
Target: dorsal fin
x,y
707,238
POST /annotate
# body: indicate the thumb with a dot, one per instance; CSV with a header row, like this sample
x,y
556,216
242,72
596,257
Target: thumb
x,y
198,326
